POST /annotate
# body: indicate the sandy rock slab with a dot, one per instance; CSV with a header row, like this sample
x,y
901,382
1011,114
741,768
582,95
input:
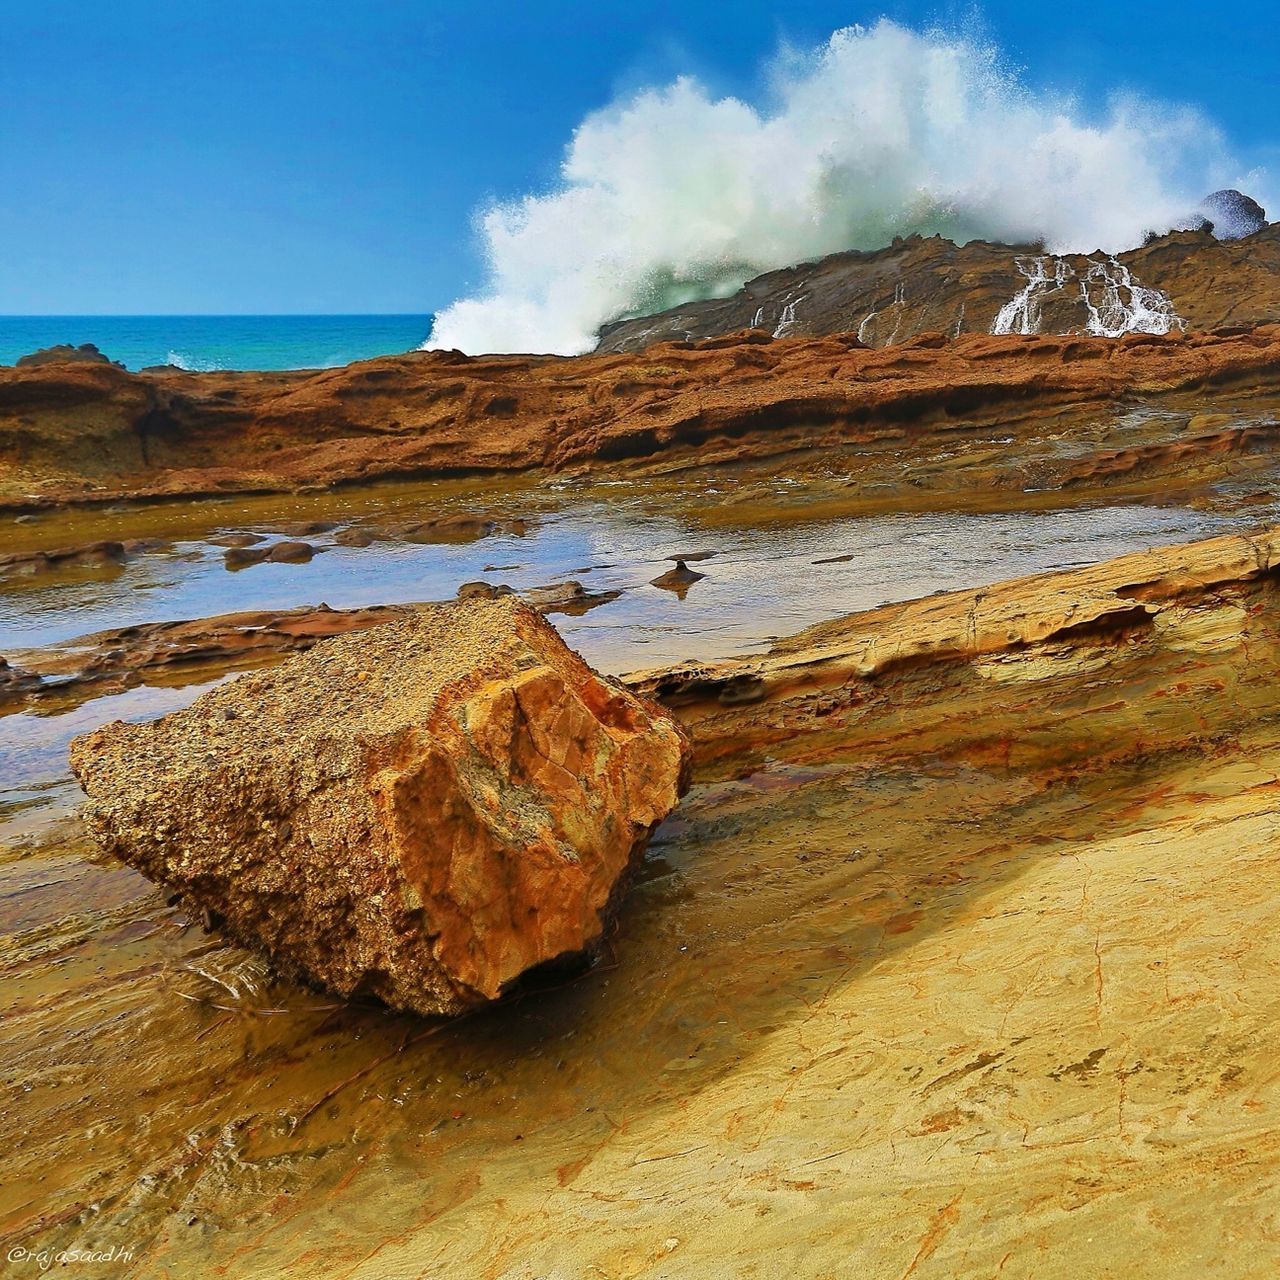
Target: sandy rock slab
x,y
421,812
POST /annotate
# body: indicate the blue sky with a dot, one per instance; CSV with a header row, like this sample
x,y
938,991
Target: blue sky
x,y
247,156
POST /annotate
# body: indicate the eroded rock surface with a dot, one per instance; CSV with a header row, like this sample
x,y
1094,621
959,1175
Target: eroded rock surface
x,y
1186,279
64,353
421,813
89,433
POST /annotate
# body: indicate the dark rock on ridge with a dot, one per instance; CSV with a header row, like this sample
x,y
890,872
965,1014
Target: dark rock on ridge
x,y
1233,214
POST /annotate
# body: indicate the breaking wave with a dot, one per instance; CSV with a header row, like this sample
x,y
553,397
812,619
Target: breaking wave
x,y
675,194
190,364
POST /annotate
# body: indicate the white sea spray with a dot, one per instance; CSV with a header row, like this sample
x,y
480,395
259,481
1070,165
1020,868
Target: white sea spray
x,y
674,193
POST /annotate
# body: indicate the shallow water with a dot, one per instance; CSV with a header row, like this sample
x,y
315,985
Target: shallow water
x,y
761,583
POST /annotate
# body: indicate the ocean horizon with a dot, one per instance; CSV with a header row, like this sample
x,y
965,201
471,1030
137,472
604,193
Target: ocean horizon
x,y
201,343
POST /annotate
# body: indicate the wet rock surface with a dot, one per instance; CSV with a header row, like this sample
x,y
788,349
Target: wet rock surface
x,y
285,552
26,564
458,528
679,579
14,681
925,285
191,649
420,814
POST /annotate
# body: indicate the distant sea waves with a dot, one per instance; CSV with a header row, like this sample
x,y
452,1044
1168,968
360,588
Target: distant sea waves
x,y
220,342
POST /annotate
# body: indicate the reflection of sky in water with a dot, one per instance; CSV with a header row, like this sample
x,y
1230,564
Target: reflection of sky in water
x,y
761,584
34,748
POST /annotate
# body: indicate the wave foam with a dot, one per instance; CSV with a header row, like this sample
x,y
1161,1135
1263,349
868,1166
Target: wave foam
x,y
674,194
189,364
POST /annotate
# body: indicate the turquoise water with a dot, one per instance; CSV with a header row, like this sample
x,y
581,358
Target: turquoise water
x,y
219,342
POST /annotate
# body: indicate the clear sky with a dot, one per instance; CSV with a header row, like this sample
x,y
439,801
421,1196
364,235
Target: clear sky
x,y
242,156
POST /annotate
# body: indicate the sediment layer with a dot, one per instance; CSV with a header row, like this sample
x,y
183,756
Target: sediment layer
x,y
958,957
96,433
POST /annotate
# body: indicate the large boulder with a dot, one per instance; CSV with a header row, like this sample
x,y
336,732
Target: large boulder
x,y
421,812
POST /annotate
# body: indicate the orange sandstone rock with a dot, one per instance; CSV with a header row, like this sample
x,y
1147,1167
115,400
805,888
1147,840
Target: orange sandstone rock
x,y
421,812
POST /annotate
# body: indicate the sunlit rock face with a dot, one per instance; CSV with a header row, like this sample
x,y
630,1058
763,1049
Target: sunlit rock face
x,y
419,813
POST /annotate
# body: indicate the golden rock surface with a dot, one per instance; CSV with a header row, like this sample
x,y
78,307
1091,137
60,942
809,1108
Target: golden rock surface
x,y
958,961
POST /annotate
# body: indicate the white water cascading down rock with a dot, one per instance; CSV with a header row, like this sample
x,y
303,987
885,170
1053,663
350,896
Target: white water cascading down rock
x,y
1095,296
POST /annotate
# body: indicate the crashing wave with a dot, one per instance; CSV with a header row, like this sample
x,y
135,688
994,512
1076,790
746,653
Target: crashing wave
x,y
675,194
189,364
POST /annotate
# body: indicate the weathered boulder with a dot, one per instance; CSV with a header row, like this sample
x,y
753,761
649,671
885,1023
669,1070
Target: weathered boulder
x,y
421,812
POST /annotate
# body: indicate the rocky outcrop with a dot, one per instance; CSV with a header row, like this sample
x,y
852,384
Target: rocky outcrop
x,y
108,553
92,433
1184,280
286,551
813,689
422,813
15,682
64,353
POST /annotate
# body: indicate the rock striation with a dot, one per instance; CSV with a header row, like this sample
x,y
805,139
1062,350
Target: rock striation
x,y
94,433
421,813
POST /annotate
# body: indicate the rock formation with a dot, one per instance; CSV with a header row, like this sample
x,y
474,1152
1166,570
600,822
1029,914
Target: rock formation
x,y
678,579
91,433
1233,214
421,813
284,552
1187,279
65,353
103,554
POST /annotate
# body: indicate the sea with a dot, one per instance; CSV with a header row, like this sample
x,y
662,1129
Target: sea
x,y
202,343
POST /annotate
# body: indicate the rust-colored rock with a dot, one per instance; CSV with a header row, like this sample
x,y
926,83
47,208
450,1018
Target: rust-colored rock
x,y
89,433
420,813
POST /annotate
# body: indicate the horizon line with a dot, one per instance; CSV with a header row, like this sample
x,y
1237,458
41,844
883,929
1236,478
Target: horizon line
x,y
209,315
